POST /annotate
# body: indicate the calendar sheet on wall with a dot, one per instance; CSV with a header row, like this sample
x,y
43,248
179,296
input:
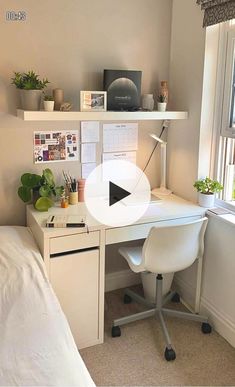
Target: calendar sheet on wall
x,y
54,146
120,137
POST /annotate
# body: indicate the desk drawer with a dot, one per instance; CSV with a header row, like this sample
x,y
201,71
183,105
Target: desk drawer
x,y
75,280
140,231
74,242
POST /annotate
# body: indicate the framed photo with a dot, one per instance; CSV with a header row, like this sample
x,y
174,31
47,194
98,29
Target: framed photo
x,y
93,101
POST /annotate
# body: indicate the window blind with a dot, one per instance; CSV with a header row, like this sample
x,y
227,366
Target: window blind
x,y
217,11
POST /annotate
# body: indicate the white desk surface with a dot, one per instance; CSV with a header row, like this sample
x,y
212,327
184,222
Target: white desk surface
x,y
62,240
170,207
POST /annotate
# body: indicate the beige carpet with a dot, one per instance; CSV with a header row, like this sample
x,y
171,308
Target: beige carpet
x,y
137,357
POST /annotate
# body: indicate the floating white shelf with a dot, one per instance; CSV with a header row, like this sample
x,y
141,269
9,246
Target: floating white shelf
x,y
27,115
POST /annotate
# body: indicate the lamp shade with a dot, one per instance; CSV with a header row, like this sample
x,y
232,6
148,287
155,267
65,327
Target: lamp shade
x,y
157,138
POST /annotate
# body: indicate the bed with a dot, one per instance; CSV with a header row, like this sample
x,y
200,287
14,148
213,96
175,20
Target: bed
x,y
36,344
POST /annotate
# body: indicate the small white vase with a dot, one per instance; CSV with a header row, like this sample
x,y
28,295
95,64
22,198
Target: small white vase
x,y
48,106
161,106
205,200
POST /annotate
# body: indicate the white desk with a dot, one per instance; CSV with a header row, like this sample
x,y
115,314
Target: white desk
x,y
75,259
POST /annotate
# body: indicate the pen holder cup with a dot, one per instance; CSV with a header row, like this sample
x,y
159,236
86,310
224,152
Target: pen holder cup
x,y
73,197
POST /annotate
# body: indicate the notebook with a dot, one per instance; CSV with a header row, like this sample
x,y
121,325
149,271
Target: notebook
x,y
62,221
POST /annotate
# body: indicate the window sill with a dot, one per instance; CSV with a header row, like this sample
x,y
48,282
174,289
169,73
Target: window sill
x,y
227,217
228,205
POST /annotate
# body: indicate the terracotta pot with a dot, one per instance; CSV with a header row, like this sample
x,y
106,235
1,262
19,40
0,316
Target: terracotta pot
x,y
81,186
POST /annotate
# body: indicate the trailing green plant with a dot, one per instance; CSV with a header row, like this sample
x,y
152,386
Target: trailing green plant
x,y
29,81
40,189
162,98
208,186
48,98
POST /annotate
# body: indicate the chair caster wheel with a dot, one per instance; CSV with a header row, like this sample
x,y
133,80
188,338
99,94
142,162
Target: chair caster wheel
x,y
116,331
170,354
127,299
206,328
176,298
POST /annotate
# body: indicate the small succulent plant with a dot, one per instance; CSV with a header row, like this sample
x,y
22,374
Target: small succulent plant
x,y
208,186
162,98
48,98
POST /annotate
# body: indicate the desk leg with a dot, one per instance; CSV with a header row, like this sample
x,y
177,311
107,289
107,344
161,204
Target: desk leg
x,y
102,286
198,285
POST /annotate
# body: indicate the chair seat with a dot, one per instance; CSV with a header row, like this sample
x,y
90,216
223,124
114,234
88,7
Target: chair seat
x,y
133,255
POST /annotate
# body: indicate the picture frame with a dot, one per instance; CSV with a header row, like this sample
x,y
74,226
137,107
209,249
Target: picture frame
x,y
93,101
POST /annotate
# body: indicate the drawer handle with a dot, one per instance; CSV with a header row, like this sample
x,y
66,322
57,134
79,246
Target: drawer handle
x,y
73,252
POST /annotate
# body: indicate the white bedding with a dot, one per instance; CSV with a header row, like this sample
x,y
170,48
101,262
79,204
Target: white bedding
x,y
36,344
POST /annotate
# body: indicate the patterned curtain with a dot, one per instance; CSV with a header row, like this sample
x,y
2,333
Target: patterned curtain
x,y
217,11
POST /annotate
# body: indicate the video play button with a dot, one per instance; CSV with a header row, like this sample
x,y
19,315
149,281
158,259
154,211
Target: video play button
x,y
117,193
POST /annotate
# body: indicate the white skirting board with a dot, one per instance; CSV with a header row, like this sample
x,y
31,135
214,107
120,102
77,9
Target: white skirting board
x,y
220,322
121,279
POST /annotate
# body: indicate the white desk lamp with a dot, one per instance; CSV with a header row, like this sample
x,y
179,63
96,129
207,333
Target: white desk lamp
x,y
162,190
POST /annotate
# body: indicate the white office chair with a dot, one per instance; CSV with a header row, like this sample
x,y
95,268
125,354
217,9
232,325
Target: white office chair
x,y
167,249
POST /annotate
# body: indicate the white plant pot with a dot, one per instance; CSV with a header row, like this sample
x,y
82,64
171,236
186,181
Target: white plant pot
x,y
30,99
207,201
161,106
48,106
149,285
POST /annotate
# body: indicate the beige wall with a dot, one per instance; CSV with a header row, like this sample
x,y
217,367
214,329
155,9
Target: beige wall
x,y
71,42
186,80
189,150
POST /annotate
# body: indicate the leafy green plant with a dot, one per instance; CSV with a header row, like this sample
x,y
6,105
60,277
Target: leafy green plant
x,y
29,81
39,189
208,186
161,98
48,98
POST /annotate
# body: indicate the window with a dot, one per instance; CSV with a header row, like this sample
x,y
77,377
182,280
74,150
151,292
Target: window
x,y
232,107
228,112
226,144
226,169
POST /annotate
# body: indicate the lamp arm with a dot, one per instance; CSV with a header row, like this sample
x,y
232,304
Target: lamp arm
x,y
164,126
163,165
155,146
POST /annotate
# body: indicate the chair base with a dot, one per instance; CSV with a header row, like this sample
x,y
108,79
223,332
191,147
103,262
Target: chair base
x,y
159,312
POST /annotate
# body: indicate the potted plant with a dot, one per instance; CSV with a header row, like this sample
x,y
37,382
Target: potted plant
x,y
30,87
48,103
207,189
162,102
41,190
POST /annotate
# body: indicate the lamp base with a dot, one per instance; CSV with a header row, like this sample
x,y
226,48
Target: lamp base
x,y
161,191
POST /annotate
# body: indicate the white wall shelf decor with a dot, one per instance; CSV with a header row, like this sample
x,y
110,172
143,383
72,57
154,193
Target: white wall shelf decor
x,y
100,116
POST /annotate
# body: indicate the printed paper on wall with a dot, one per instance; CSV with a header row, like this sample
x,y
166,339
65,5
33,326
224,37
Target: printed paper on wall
x,y
54,146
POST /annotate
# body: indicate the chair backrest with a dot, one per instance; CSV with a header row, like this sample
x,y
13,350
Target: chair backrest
x,y
173,248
